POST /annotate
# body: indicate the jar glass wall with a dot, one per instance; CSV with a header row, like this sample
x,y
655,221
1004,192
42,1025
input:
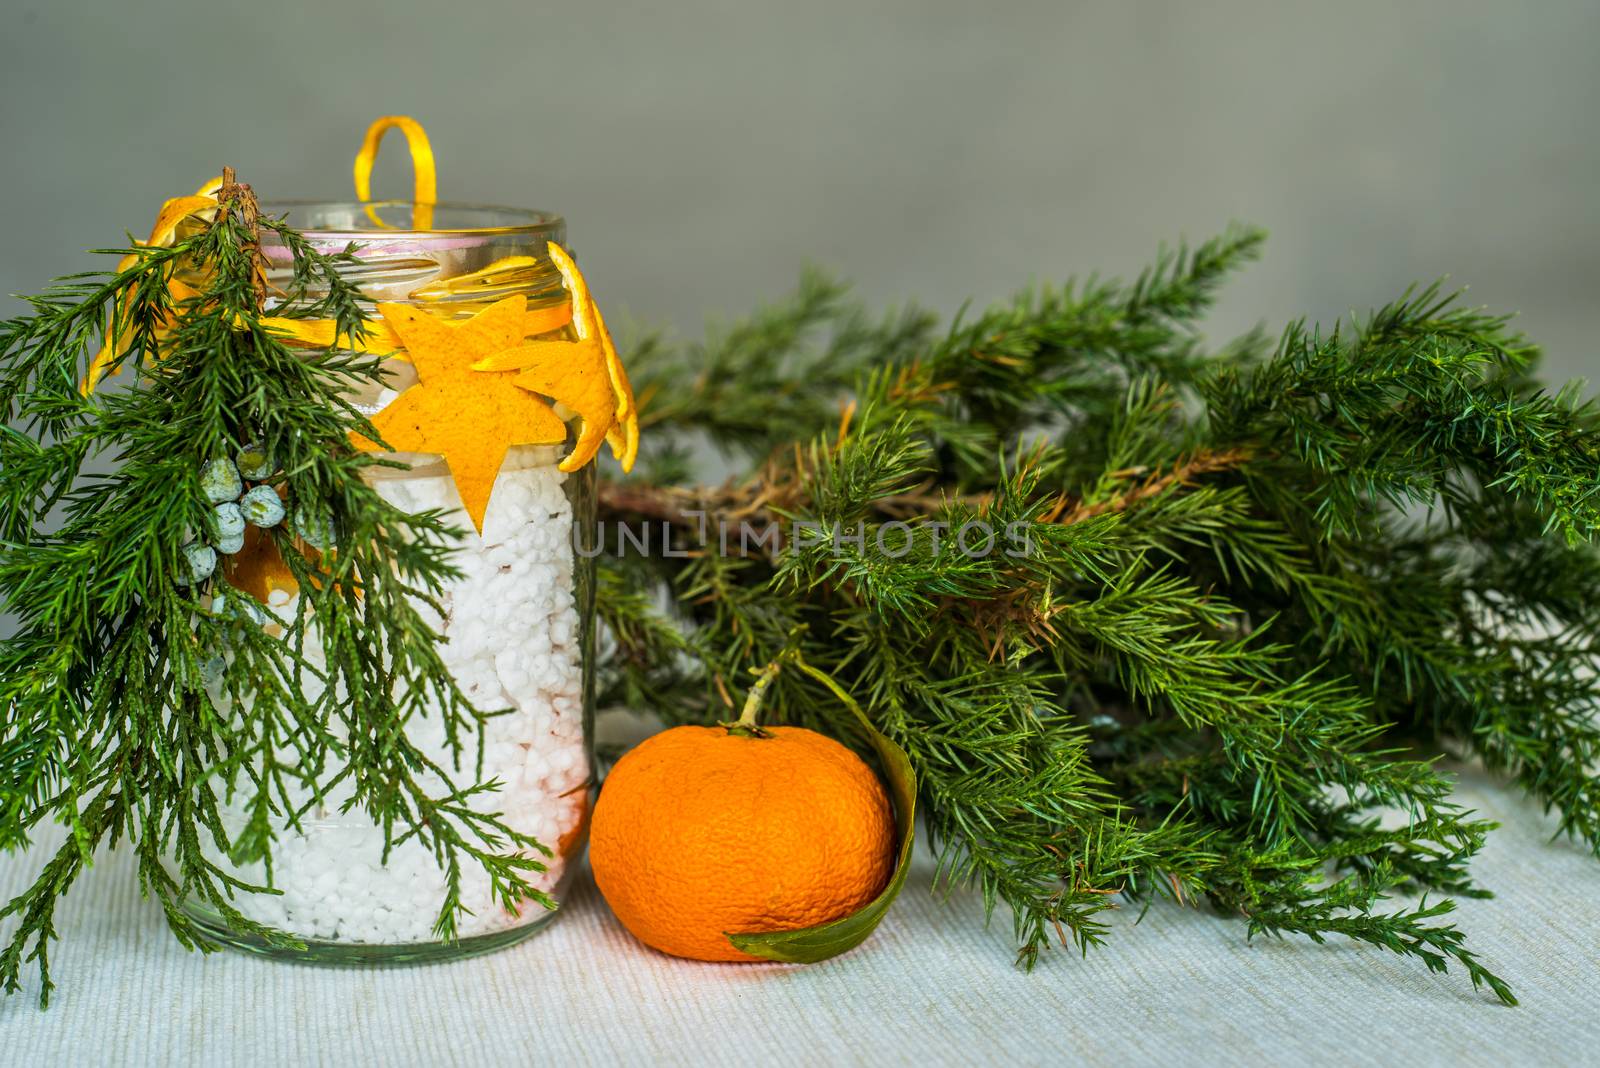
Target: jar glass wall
x,y
517,628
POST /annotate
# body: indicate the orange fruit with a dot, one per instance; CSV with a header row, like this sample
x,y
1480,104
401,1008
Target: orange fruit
x,y
705,831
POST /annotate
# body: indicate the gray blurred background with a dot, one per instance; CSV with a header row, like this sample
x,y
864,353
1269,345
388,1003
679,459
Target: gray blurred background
x,y
938,151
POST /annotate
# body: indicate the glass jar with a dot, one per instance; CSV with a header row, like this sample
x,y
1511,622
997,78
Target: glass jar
x,y
518,624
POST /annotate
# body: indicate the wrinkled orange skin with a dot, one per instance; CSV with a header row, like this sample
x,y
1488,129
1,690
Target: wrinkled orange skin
x,y
700,833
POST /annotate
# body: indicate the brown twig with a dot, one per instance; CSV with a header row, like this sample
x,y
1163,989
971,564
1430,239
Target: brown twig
x,y
1155,483
238,196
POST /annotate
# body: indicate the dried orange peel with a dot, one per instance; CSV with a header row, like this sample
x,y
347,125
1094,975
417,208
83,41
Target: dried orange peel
x,y
259,568
424,173
469,418
624,433
506,273
583,374
380,339
172,213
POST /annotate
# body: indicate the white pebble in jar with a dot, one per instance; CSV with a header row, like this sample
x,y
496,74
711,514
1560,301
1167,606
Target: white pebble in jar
x,y
510,640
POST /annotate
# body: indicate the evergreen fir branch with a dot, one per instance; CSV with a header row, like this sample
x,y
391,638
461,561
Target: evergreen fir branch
x,y
764,382
1409,932
1257,582
1424,418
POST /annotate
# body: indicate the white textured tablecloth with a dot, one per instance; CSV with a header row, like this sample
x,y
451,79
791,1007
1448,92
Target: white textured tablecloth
x,y
932,987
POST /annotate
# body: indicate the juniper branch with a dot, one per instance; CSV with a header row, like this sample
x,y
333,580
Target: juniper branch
x,y
106,720
1256,580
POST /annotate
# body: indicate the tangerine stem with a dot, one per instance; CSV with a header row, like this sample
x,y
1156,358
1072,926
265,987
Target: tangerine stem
x,y
757,694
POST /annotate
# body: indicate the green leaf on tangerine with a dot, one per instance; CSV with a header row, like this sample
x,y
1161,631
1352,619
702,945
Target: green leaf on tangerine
x,y
807,945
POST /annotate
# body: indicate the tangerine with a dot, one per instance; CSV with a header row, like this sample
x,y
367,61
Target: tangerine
x,y
701,832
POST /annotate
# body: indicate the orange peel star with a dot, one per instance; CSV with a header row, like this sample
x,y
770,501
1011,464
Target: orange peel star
x,y
586,375
573,373
469,418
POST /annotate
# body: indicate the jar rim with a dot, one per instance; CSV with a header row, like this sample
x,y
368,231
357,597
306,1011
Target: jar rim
x,y
475,220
